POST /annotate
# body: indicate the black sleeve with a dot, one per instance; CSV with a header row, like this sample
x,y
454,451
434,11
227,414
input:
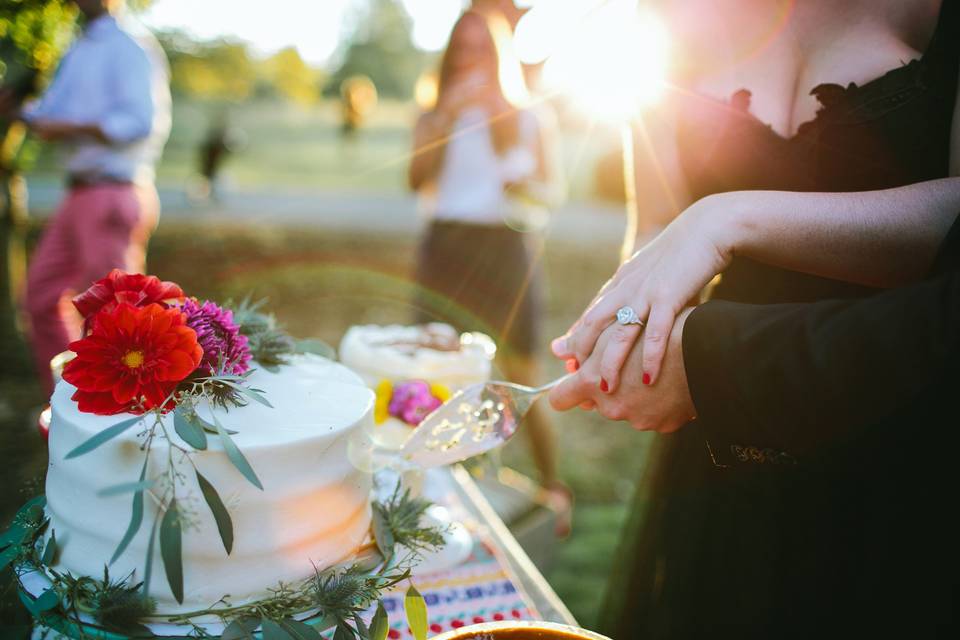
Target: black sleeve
x,y
794,376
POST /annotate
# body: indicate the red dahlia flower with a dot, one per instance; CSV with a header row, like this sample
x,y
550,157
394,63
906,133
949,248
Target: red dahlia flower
x,y
132,360
135,289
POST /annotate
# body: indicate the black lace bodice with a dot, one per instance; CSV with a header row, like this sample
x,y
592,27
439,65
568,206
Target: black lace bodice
x,y
889,132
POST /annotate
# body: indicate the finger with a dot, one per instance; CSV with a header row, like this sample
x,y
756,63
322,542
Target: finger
x,y
593,323
615,352
569,393
655,338
588,405
562,346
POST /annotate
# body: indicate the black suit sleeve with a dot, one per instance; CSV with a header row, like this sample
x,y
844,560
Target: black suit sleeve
x,y
795,376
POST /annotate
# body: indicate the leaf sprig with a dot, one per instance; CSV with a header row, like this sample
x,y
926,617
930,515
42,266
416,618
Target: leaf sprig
x,y
332,598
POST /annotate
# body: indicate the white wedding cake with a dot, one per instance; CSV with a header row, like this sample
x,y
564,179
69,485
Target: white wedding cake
x,y
313,510
413,369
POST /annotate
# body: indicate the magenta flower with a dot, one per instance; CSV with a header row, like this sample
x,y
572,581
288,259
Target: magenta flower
x,y
225,349
412,401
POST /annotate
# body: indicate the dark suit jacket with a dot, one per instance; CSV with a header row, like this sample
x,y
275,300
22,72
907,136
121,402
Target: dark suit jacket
x,y
859,399
797,377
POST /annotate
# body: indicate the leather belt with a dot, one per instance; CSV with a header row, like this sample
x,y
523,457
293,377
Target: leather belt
x,y
81,181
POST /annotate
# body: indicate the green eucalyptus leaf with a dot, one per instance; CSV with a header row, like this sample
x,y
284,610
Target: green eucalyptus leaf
x,y
50,551
47,601
416,609
273,631
28,602
241,629
209,428
382,533
253,394
220,513
136,517
343,632
316,347
362,631
380,624
236,456
14,535
148,567
171,540
189,429
299,630
126,487
102,436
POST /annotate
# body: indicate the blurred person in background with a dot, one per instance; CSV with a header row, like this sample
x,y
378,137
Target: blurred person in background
x,y
483,162
221,141
109,106
358,99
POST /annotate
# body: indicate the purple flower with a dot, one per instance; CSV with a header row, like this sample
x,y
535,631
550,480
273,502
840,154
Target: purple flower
x,y
412,401
225,350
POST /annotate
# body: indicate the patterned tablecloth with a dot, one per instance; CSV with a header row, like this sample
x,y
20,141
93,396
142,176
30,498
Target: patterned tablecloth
x,y
481,589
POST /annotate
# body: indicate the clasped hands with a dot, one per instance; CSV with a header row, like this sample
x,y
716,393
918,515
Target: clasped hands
x,y
636,373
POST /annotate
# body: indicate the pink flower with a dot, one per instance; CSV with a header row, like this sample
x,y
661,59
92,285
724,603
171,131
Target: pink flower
x,y
412,401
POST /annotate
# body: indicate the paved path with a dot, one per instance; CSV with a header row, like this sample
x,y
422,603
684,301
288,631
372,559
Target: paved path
x,y
579,222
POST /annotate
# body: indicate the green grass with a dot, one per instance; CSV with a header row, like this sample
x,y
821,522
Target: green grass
x,y
299,147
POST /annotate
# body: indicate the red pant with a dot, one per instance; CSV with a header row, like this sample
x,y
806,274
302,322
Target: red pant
x,y
96,229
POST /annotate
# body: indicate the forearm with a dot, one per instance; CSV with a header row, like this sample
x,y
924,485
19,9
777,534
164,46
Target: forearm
x,y
877,238
429,143
57,131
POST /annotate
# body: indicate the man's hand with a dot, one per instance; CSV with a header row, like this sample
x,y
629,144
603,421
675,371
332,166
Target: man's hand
x,y
664,406
57,130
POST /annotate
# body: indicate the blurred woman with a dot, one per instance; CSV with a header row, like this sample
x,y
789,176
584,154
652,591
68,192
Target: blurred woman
x,y
482,161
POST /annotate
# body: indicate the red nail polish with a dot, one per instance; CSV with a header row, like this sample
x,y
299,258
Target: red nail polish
x,y
604,386
572,365
646,378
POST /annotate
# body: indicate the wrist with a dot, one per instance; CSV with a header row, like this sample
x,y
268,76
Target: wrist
x,y
725,222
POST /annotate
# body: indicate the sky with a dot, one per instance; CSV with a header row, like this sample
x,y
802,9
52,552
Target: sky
x,y
313,26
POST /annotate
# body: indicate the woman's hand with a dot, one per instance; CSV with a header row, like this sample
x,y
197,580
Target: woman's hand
x,y
664,410
657,282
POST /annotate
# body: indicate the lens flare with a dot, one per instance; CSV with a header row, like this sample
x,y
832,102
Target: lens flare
x,y
611,60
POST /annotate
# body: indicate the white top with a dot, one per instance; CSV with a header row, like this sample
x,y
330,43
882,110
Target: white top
x,y
470,187
115,75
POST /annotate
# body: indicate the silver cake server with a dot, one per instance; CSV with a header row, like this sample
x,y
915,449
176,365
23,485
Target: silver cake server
x,y
474,420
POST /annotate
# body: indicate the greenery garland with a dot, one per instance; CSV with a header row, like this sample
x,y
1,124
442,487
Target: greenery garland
x,y
331,598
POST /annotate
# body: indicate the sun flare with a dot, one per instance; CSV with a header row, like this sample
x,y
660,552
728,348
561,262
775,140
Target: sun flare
x,y
610,59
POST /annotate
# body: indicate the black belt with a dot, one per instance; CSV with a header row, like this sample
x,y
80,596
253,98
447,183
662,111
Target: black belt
x,y
81,181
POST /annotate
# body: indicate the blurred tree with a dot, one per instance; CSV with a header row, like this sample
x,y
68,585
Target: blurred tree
x,y
218,69
381,48
33,34
287,75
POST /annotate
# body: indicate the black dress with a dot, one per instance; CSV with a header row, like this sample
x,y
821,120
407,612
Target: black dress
x,y
734,536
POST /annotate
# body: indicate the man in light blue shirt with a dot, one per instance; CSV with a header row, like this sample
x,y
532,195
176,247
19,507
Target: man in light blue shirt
x,y
109,106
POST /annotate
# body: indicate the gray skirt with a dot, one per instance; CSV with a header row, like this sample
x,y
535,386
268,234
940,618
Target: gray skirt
x,y
480,277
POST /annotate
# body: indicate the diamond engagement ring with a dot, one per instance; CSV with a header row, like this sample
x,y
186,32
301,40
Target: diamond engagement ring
x,y
626,315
